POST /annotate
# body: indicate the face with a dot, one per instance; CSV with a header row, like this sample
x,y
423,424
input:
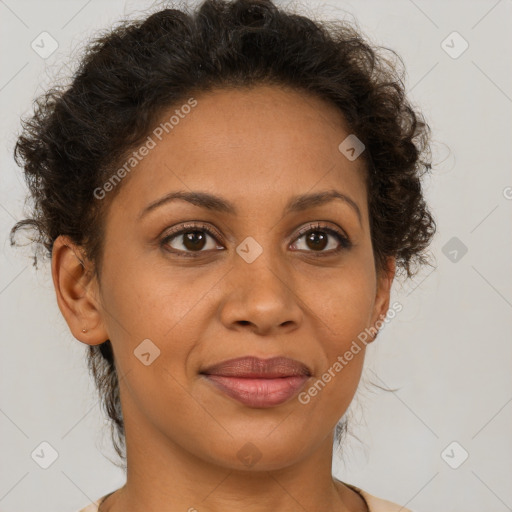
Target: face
x,y
267,276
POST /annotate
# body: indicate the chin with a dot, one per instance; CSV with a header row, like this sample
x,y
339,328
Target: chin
x,y
258,452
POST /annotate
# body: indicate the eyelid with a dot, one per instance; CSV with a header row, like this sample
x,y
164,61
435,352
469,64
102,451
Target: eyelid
x,y
321,225
191,225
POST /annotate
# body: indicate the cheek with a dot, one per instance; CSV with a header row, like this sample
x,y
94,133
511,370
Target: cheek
x,y
341,300
144,301
342,306
147,299
343,309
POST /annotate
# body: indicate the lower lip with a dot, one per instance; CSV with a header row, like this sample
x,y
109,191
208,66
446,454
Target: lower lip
x,y
259,392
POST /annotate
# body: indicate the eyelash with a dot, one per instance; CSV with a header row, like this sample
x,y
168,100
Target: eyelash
x,y
344,241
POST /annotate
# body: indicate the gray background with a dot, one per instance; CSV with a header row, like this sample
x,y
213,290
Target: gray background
x,y
448,351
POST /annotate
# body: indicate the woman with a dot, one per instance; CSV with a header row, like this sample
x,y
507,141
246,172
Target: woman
x,y
227,196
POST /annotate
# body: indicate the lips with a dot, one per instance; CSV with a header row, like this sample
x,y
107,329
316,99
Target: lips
x,y
257,382
254,367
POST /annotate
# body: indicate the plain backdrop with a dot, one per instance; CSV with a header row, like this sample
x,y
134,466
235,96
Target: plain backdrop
x,y
448,352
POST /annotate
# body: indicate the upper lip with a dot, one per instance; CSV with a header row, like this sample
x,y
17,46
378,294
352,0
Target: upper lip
x,y
254,367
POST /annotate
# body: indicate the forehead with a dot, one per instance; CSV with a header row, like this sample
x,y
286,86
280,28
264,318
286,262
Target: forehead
x,y
265,142
242,122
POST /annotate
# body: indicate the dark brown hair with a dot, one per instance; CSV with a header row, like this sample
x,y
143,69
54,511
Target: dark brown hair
x,y
129,75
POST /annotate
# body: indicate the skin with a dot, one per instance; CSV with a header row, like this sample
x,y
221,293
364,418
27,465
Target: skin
x,y
182,434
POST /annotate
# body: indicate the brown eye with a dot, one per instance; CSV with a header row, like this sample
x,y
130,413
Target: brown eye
x,y
317,240
189,240
322,239
194,240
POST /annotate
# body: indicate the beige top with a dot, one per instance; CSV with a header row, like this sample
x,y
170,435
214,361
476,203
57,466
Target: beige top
x,y
374,504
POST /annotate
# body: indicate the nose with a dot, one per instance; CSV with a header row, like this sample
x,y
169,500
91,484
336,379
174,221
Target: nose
x,y
261,298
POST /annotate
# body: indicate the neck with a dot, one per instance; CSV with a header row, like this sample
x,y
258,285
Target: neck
x,y
164,476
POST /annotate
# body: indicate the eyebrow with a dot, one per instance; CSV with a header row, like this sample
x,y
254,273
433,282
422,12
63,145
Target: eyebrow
x,y
217,203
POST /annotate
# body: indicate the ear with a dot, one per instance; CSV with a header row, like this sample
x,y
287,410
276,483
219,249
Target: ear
x,y
384,281
77,292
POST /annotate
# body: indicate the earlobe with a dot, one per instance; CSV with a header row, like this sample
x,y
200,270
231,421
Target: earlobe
x,y
76,290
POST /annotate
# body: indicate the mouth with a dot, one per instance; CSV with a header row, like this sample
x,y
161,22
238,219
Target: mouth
x,y
256,382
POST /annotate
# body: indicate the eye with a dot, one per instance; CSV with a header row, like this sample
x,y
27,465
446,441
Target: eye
x,y
190,238
316,238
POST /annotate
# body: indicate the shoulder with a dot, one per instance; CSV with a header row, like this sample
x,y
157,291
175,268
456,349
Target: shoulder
x,y
93,507
376,504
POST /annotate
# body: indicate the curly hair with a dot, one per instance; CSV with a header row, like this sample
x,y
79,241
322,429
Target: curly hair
x,y
130,74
